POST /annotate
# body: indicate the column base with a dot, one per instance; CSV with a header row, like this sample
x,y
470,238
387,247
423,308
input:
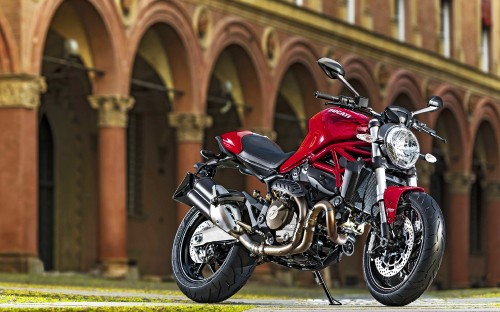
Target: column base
x,y
114,268
459,285
492,282
19,263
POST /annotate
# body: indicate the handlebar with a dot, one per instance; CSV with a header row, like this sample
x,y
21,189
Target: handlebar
x,y
420,126
347,102
324,96
336,100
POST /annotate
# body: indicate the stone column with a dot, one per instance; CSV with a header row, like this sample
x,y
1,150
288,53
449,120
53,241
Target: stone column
x,y
492,234
425,171
19,101
457,242
112,183
190,130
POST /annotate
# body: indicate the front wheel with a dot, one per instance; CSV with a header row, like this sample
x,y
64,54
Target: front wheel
x,y
212,272
398,274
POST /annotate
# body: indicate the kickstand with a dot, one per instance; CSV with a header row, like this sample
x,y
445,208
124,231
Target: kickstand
x,y
320,281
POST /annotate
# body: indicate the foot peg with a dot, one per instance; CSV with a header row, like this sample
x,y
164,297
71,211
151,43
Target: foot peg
x,y
320,281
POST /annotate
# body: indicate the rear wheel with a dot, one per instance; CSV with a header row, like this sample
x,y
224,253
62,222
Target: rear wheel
x,y
399,274
212,272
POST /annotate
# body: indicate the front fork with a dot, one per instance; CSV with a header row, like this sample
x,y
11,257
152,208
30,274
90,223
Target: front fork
x,y
379,164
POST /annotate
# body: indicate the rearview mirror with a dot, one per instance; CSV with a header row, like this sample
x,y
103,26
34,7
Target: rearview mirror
x,y
331,68
435,102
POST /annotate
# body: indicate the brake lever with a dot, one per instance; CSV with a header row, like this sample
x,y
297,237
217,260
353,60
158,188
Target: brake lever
x,y
437,137
420,126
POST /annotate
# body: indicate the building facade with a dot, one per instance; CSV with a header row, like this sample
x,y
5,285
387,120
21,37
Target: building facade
x,y
106,104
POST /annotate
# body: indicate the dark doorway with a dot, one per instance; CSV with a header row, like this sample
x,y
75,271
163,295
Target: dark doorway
x,y
46,194
151,159
222,109
73,127
287,125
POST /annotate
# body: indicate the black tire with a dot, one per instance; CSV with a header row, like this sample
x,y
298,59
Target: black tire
x,y
424,258
231,269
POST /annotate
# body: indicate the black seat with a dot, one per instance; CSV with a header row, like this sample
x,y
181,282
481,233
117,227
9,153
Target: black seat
x,y
262,153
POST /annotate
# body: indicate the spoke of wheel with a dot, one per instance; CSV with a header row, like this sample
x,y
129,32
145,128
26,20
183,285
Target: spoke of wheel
x,y
212,268
199,269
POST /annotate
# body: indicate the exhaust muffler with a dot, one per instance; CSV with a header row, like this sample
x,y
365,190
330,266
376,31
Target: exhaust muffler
x,y
196,192
202,192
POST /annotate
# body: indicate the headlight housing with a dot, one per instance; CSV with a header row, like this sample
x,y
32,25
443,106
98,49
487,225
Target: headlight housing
x,y
401,146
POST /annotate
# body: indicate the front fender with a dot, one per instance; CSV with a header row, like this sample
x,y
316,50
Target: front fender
x,y
392,195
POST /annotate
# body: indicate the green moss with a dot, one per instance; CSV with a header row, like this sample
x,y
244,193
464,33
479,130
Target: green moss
x,y
180,308
29,296
84,281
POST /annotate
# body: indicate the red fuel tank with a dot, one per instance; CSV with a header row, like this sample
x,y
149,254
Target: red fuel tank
x,y
332,125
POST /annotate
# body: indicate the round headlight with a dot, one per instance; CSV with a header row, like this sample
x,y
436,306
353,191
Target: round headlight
x,y
401,146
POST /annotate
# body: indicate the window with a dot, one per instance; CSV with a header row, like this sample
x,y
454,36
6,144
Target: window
x,y
446,27
399,10
485,35
485,49
351,11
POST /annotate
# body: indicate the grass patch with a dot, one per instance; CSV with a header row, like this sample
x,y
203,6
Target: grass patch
x,y
252,290
8,296
180,308
30,296
84,281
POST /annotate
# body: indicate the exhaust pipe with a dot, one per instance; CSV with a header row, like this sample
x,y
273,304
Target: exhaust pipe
x,y
208,197
196,192
304,233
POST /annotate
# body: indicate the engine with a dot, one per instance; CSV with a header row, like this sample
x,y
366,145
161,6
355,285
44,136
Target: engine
x,y
282,217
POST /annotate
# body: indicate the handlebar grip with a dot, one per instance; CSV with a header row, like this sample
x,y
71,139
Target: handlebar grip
x,y
324,96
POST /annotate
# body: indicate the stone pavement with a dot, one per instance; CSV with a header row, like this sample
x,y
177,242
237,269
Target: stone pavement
x,y
350,303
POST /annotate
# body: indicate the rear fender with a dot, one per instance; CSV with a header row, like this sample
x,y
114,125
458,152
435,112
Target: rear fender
x,y
392,195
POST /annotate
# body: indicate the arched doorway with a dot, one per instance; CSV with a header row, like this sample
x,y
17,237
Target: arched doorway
x,y
404,100
68,230
449,156
291,109
151,155
484,167
227,105
46,194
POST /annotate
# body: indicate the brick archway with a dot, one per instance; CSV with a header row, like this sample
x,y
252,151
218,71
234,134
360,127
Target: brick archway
x,y
253,70
9,61
106,38
486,111
359,69
301,54
180,43
459,142
403,82
487,114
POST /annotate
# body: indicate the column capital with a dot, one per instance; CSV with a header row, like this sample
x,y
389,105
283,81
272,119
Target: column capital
x,y
270,133
190,126
112,109
425,171
21,90
493,190
459,181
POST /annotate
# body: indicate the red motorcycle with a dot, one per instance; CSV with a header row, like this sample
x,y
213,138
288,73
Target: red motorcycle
x,y
354,168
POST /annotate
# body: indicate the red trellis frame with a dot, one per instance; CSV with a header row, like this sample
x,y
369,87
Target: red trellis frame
x,y
349,150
